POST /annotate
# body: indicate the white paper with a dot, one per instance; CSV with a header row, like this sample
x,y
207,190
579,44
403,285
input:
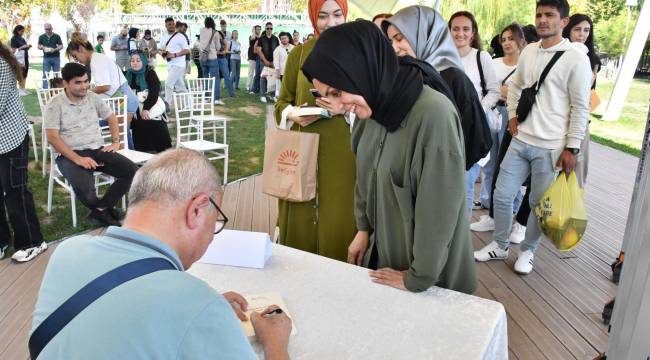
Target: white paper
x,y
238,248
259,303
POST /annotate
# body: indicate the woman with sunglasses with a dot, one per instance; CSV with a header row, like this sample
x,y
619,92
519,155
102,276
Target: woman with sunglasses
x,y
324,225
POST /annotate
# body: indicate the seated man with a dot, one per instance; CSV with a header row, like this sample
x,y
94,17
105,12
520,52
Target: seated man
x,y
74,132
165,314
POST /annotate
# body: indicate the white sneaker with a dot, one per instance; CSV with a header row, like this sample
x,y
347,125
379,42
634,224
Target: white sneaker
x,y
485,223
219,102
491,251
518,233
29,253
263,99
524,264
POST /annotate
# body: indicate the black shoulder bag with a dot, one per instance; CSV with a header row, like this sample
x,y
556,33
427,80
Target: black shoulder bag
x,y
164,51
92,291
527,98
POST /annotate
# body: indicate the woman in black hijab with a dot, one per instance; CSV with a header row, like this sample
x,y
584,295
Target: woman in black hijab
x,y
410,192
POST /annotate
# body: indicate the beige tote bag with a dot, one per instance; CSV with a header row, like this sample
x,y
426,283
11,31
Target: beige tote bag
x,y
290,164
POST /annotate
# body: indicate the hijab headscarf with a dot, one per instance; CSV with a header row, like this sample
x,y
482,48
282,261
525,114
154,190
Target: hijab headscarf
x,y
427,33
133,32
140,75
357,58
314,8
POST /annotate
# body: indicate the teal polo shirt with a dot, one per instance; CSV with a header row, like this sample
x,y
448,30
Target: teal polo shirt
x,y
168,314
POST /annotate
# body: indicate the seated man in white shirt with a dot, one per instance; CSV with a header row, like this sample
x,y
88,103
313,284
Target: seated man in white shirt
x,y
74,133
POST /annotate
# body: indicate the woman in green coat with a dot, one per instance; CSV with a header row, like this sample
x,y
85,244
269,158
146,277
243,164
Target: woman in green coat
x,y
325,225
410,193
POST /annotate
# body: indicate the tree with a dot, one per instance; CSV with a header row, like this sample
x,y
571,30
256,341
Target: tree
x,y
606,10
12,13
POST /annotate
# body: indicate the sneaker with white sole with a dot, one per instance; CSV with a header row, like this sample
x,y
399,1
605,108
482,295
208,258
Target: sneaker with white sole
x,y
263,99
29,253
491,251
477,205
518,233
3,250
524,264
219,102
484,223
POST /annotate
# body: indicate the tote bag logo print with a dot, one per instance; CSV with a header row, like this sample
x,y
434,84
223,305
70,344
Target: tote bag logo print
x,y
289,157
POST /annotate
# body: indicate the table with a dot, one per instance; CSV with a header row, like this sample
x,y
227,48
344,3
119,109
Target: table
x,y
340,314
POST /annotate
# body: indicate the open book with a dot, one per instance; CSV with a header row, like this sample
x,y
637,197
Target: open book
x,y
259,303
309,110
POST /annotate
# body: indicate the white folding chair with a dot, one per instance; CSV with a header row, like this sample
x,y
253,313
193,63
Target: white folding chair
x,y
46,78
32,135
204,110
189,133
44,96
118,105
58,178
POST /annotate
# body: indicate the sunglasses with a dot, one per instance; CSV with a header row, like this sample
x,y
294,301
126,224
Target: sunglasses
x,y
269,28
222,220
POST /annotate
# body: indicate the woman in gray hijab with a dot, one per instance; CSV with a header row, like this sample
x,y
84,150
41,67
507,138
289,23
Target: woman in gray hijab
x,y
421,32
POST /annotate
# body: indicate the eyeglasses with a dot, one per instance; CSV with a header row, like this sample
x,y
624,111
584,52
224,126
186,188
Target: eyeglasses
x,y
269,28
221,223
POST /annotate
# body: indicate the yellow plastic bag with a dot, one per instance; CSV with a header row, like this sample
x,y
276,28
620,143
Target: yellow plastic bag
x,y
561,212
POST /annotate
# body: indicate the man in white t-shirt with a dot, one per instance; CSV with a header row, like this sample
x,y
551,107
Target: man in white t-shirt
x,y
174,47
280,56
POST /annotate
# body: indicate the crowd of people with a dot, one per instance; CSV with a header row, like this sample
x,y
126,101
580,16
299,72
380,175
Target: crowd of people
x,y
417,112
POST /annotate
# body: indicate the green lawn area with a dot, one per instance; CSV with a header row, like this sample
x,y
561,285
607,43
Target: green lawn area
x,y
246,140
626,134
245,137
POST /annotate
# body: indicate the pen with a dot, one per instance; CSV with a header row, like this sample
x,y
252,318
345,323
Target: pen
x,y
273,312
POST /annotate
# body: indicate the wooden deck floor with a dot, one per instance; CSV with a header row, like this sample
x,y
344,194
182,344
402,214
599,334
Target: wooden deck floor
x,y
553,313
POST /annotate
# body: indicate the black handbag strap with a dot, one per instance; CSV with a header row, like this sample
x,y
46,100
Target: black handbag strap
x,y
508,76
480,72
92,291
170,39
546,70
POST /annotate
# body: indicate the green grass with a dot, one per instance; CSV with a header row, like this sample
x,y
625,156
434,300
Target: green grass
x,y
245,138
626,134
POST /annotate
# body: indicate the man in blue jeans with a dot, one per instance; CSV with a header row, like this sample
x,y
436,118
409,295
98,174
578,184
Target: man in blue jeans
x,y
549,137
265,46
51,44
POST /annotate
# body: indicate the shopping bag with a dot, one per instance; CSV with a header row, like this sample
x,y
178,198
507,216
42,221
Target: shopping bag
x,y
561,212
594,101
290,164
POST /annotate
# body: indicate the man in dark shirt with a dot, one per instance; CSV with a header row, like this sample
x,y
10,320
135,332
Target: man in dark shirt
x,y
51,44
254,63
265,46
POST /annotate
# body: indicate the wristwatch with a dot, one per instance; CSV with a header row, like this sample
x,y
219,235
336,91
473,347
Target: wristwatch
x,y
574,151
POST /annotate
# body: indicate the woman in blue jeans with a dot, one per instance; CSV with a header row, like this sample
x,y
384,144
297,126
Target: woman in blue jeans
x,y
210,42
235,59
224,71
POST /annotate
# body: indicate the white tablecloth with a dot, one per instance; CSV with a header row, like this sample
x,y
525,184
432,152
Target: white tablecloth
x,y
340,314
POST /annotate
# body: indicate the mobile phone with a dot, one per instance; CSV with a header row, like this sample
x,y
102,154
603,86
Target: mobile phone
x,y
315,93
